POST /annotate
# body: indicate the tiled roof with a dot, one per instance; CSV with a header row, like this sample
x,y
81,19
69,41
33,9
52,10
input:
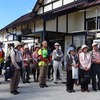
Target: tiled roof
x,y
79,5
21,19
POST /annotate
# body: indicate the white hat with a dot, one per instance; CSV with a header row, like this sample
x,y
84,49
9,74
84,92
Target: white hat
x,y
36,46
26,46
84,46
93,44
17,44
56,44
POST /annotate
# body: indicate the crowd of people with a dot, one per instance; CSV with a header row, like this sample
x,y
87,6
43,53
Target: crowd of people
x,y
82,65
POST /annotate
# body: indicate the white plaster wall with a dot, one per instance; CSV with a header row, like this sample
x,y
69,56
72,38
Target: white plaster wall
x,y
57,4
39,25
47,8
51,25
19,30
79,21
67,1
47,1
91,12
40,11
62,24
31,26
98,11
3,35
71,22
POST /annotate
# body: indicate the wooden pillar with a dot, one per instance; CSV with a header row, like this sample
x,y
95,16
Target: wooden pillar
x,y
19,38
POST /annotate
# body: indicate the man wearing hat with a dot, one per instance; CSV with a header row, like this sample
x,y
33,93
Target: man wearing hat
x,y
16,59
57,56
95,69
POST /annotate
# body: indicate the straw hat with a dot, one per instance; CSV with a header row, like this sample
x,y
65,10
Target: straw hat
x,y
56,44
26,46
84,46
17,44
94,44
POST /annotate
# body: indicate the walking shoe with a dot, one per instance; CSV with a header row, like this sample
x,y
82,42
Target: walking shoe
x,y
87,90
41,86
82,90
45,85
36,81
94,89
24,82
28,82
17,92
13,92
73,90
63,82
69,91
55,83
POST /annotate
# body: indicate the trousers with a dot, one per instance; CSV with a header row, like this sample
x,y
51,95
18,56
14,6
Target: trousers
x,y
43,74
57,65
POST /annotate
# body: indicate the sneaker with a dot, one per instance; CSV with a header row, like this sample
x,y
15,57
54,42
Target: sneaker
x,y
24,82
17,92
63,82
41,86
94,89
82,90
28,82
87,90
69,91
73,90
36,81
55,83
45,85
13,92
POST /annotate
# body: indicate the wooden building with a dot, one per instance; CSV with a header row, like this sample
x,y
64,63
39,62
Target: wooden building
x,y
65,21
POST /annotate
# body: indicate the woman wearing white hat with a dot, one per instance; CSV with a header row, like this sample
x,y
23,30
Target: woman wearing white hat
x,y
35,67
16,59
27,59
84,71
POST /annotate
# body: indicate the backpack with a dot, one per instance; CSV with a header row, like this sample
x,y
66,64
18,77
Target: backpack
x,y
8,68
8,72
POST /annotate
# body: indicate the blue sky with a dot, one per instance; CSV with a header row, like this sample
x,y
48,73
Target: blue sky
x,y
12,9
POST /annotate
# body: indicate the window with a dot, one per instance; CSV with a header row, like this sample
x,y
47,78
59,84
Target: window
x,y
79,40
91,24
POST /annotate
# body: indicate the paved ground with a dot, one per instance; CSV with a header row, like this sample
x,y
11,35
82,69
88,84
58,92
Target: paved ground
x,y
54,92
